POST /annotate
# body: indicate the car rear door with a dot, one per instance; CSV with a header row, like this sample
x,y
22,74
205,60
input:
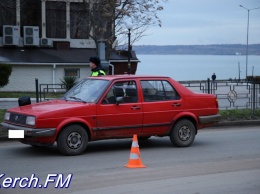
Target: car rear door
x,y
161,103
120,119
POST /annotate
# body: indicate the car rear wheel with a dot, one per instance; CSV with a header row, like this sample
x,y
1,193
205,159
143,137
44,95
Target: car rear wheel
x,y
183,133
72,140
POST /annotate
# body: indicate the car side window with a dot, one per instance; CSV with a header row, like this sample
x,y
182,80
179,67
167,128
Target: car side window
x,y
126,90
158,90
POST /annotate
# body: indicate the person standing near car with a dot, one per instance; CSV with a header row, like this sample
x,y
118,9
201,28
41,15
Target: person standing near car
x,y
95,67
213,77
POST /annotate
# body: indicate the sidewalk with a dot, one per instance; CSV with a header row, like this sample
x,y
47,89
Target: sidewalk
x,y
6,103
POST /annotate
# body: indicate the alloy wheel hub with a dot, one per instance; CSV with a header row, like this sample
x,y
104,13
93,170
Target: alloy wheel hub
x,y
74,140
184,133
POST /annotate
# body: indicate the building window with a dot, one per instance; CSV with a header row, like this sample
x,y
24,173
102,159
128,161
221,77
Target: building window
x,y
72,72
79,20
7,14
30,13
56,19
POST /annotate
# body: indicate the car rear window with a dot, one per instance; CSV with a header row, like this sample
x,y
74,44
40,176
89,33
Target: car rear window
x,y
158,90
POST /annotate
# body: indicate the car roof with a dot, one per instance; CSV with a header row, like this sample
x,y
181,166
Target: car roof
x,y
126,76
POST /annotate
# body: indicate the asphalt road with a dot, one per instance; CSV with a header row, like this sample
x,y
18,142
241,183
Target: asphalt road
x,y
221,160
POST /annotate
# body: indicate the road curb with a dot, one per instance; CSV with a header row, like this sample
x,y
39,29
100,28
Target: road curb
x,y
237,123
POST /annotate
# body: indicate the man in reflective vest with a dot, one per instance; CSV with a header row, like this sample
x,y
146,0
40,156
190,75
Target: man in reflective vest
x,y
95,67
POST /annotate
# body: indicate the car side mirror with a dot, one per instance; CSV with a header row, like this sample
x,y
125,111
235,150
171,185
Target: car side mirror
x,y
119,100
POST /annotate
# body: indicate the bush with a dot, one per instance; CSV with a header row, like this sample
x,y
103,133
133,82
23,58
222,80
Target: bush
x,y
69,81
5,72
239,114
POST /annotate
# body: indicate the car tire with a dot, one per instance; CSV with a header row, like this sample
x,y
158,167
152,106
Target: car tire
x,y
183,133
72,140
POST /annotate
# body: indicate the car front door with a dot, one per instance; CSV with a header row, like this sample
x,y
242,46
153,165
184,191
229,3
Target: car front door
x,y
119,114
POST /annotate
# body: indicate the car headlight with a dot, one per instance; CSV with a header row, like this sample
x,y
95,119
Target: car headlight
x,y
7,116
30,120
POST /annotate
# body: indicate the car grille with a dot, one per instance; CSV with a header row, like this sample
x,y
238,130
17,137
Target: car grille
x,y
17,118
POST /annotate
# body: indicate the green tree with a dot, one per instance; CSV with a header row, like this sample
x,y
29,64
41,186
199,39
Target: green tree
x,y
5,72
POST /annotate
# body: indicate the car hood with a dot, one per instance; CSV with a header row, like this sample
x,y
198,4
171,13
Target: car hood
x,y
48,107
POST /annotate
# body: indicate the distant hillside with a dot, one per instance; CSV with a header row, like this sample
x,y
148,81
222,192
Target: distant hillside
x,y
221,49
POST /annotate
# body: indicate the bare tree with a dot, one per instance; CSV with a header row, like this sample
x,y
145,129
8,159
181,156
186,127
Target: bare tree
x,y
108,19
141,13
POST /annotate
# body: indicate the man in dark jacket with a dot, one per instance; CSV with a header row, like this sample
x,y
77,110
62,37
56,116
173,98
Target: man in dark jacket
x,y
213,77
95,67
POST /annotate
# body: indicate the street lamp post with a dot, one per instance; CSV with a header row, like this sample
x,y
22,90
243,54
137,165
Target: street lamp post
x,y
129,27
248,10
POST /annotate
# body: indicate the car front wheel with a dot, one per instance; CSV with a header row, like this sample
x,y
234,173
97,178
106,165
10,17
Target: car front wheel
x,y
183,133
72,140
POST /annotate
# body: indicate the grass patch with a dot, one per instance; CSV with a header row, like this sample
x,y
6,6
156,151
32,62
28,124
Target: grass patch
x,y
17,94
2,112
31,94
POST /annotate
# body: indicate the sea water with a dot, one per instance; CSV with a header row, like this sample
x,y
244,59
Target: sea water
x,y
199,67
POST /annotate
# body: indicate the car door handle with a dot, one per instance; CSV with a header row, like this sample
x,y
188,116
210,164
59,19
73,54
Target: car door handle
x,y
135,107
176,104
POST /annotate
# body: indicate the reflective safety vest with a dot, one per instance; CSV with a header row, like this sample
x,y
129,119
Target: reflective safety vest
x,y
97,73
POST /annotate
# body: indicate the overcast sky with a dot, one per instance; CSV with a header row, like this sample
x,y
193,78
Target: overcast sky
x,y
191,22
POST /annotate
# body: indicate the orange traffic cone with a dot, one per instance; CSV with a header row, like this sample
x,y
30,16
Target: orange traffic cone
x,y
135,158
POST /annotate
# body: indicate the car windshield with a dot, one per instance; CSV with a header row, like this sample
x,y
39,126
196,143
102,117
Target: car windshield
x,y
87,90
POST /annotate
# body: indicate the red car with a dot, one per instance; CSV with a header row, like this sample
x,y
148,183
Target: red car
x,y
115,107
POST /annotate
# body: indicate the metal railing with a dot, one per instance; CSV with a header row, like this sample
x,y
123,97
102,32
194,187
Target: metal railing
x,y
231,94
49,91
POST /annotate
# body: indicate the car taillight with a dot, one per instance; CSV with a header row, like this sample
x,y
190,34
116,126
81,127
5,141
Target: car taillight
x,y
216,102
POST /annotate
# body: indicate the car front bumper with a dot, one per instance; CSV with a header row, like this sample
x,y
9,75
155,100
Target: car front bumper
x,y
31,132
209,119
